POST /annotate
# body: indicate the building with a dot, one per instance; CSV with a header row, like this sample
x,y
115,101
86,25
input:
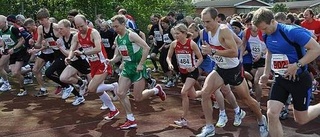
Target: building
x,y
230,7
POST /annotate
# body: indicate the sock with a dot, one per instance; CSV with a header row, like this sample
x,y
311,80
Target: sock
x,y
107,101
104,87
80,82
75,92
237,110
222,113
156,91
130,117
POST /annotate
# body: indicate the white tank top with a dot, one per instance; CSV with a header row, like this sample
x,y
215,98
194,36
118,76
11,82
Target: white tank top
x,y
257,46
222,62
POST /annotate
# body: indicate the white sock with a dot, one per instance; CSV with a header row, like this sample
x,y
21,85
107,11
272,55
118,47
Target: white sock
x,y
130,117
156,91
223,113
104,87
107,101
43,89
237,110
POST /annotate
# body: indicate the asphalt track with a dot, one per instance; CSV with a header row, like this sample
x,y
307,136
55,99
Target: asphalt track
x,y
51,116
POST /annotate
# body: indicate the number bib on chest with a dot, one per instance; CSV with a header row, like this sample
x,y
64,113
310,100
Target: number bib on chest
x,y
184,60
279,63
255,49
7,40
105,42
166,38
52,43
219,60
124,52
92,57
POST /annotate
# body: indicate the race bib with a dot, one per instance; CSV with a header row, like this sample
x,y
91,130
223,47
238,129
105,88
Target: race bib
x,y
92,57
106,43
184,60
219,60
52,43
124,52
7,40
255,49
279,63
157,36
166,38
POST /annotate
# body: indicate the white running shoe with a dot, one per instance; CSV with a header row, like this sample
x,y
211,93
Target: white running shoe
x,y
264,127
66,92
207,131
22,93
27,81
238,118
5,87
223,119
78,100
181,122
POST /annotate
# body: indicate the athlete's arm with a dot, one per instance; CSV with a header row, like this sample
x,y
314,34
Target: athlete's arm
x,y
142,35
97,43
170,53
62,47
73,47
140,42
117,56
196,50
267,68
313,52
39,44
227,40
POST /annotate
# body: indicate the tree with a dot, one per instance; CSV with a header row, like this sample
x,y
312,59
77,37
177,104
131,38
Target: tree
x,y
141,10
280,8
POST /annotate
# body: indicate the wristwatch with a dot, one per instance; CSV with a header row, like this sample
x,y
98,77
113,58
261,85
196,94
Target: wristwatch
x,y
299,65
213,51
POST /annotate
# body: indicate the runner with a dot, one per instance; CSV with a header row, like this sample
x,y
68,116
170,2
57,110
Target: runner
x,y
186,50
133,50
89,40
221,45
288,62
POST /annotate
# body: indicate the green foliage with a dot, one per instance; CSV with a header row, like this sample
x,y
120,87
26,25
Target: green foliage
x,y
280,8
141,10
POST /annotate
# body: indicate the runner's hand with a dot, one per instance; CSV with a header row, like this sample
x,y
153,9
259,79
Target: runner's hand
x,y
139,68
67,61
206,49
264,80
291,72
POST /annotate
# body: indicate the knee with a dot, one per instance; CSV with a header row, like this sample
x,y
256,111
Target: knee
x,y
184,94
273,115
206,95
63,79
121,94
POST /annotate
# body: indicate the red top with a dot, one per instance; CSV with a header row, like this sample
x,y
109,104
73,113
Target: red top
x,y
314,25
87,44
185,56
